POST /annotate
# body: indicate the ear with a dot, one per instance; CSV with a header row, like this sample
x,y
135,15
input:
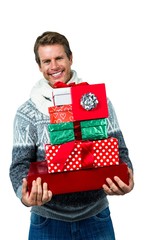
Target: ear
x,y
40,69
71,59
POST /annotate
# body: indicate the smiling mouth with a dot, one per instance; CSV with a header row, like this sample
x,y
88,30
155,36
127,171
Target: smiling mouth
x,y
57,74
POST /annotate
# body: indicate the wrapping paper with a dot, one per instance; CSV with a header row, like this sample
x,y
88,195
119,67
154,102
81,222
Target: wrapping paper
x,y
61,132
79,130
76,181
61,96
82,154
94,129
101,108
88,101
60,114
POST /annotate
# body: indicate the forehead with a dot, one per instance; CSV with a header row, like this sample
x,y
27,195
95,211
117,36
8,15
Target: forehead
x,y
49,51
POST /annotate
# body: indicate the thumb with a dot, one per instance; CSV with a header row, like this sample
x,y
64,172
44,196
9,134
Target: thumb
x,y
24,186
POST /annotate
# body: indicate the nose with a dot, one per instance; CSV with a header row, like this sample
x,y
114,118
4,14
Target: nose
x,y
54,64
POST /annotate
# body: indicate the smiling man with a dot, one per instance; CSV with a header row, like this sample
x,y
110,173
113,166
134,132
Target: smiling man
x,y
81,215
54,63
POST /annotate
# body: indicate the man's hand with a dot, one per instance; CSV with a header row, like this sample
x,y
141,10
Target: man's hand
x,y
120,188
39,194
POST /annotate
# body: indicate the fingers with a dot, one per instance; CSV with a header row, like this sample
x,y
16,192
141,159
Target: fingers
x,y
24,186
125,188
47,194
118,187
131,179
108,190
112,189
25,193
39,194
33,196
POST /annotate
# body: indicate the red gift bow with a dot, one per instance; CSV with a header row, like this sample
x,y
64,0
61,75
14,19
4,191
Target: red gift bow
x,y
62,84
66,148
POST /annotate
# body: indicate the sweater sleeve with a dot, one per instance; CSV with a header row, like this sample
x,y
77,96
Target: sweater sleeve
x,y
115,131
24,148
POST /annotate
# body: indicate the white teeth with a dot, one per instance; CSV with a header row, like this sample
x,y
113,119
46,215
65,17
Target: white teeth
x,y
56,74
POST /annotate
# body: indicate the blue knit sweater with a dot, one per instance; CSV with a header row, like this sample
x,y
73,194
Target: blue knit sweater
x,y
31,133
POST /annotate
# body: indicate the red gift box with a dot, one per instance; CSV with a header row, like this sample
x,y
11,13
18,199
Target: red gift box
x,y
75,155
93,95
76,181
60,114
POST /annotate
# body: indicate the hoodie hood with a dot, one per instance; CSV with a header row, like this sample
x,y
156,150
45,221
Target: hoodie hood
x,y
41,93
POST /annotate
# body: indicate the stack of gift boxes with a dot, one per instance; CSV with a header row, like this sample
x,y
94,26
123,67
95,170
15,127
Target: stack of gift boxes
x,y
80,154
78,130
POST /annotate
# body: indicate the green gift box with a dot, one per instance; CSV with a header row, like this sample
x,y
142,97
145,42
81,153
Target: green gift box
x,y
83,130
94,129
61,132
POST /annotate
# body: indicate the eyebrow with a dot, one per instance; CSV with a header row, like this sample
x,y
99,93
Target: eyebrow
x,y
46,59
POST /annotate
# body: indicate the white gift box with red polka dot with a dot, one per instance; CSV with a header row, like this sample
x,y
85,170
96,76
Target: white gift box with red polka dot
x,y
78,155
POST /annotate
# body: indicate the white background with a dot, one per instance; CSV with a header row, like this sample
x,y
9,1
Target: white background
x,y
116,42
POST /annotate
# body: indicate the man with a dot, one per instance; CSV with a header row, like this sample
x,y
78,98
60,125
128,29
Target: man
x,y
82,215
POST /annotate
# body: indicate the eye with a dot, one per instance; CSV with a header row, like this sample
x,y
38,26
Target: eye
x,y
46,61
59,58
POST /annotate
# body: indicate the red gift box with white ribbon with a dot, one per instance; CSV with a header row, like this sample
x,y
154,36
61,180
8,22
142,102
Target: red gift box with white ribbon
x,y
77,155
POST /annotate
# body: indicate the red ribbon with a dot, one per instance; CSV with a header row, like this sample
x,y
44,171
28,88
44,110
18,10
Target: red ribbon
x,y
63,153
62,84
66,149
77,130
87,154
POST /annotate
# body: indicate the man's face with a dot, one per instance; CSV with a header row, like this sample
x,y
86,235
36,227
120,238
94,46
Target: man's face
x,y
54,63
